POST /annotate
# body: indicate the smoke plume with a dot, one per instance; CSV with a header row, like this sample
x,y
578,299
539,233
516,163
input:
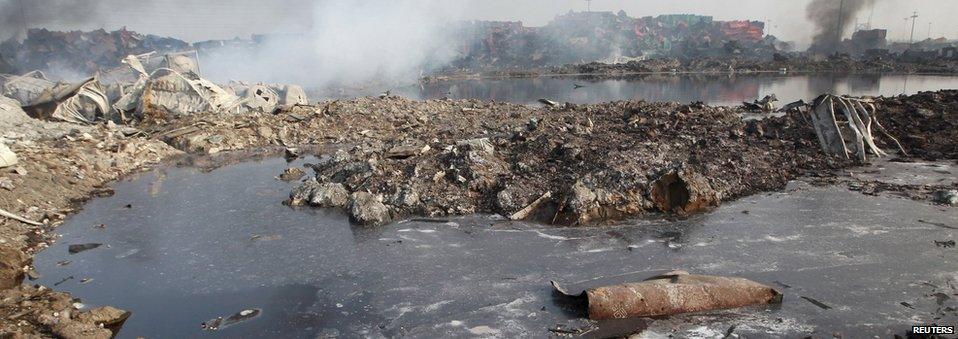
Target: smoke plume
x,y
832,19
351,42
15,15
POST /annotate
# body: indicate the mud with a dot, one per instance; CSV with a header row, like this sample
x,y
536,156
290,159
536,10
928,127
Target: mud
x,y
573,164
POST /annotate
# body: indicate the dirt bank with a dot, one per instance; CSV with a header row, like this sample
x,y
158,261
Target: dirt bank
x,y
55,174
567,164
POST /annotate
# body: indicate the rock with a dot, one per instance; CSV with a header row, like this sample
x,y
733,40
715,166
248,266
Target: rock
x,y
367,209
302,193
511,199
581,198
11,267
78,330
106,316
6,183
291,153
683,192
264,132
927,113
407,197
7,157
946,197
292,174
533,124
405,151
329,195
480,145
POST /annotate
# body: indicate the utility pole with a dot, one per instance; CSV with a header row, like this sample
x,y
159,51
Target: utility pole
x,y
913,17
588,5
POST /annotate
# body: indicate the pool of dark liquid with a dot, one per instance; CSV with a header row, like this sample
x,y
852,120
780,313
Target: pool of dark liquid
x,y
726,89
195,245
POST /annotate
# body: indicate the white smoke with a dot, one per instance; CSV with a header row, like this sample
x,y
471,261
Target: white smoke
x,y
351,42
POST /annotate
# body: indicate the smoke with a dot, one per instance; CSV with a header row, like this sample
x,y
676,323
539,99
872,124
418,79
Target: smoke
x,y
351,42
830,26
15,15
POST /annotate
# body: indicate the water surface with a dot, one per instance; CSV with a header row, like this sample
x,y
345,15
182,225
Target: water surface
x,y
711,89
196,245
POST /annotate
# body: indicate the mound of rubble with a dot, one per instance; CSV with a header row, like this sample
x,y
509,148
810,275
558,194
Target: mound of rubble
x,y
926,123
567,164
570,165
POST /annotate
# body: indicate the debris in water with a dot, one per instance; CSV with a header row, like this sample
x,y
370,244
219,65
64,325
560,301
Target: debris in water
x,y
62,281
238,317
943,197
63,262
74,249
817,303
548,102
947,243
292,174
653,297
128,253
937,224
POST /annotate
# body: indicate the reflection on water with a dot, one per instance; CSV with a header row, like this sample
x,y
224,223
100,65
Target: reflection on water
x,y
716,90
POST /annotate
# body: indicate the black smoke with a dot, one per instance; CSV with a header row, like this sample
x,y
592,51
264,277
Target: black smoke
x,y
830,26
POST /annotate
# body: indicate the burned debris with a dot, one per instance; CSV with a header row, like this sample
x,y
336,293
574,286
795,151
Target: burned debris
x,y
671,293
859,118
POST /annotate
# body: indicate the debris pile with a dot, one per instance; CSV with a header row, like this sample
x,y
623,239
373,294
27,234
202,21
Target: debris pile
x,y
569,164
926,123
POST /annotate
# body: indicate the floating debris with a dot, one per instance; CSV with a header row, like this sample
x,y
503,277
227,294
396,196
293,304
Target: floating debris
x,y
62,281
74,249
236,318
817,303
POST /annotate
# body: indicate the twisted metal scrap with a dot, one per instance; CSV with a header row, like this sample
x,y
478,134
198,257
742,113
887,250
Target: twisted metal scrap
x,y
860,115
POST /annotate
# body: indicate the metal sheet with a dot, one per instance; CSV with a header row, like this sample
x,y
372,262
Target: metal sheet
x,y
673,293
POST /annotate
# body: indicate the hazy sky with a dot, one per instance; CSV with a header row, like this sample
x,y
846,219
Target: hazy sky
x,y
196,20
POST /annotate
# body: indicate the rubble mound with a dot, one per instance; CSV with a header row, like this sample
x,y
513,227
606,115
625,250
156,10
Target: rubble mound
x,y
570,164
926,123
